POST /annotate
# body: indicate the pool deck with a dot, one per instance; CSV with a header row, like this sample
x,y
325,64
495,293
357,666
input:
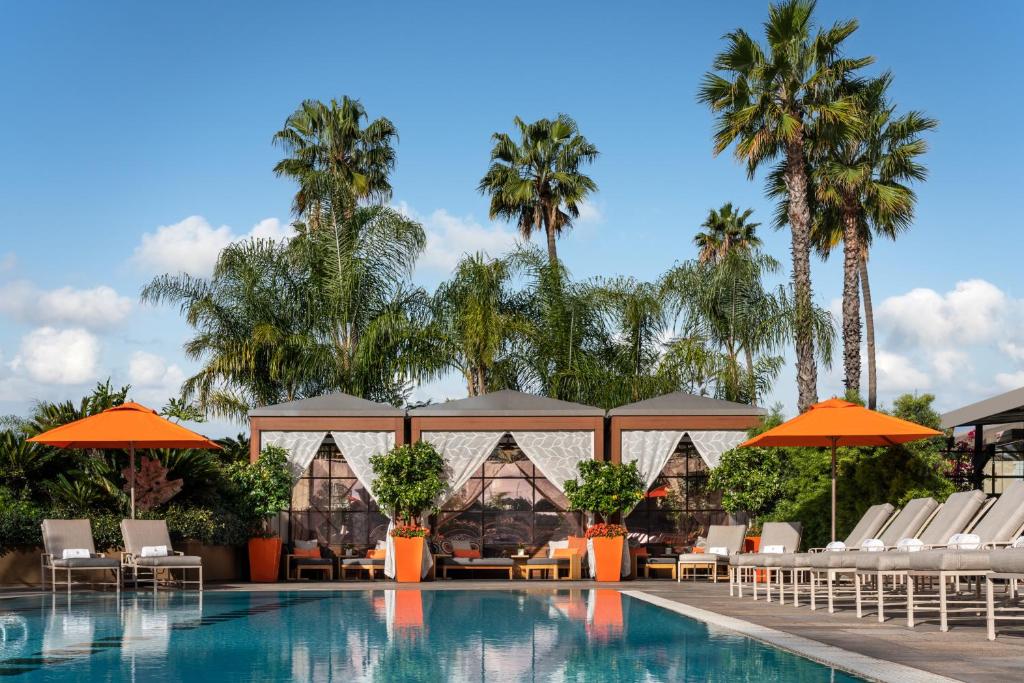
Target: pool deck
x,y
963,653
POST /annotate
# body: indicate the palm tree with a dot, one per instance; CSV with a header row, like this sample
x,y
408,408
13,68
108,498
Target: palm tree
x,y
537,182
475,317
863,185
328,148
726,229
765,103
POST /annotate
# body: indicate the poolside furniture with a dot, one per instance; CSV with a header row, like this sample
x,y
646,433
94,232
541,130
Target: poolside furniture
x,y
307,556
957,515
372,563
818,559
466,556
143,541
966,558
61,539
1006,565
564,555
722,541
777,538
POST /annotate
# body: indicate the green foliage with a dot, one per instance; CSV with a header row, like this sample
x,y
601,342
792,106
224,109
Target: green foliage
x,y
262,488
19,522
606,489
181,410
409,480
750,480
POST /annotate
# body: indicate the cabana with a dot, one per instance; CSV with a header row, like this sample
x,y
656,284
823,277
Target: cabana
x,y
675,440
511,454
996,451
330,440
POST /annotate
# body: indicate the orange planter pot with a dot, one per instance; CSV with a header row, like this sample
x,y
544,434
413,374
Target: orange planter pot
x,y
264,559
608,557
408,559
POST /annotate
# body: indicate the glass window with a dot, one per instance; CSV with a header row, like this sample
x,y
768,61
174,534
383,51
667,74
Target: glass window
x,y
678,507
507,502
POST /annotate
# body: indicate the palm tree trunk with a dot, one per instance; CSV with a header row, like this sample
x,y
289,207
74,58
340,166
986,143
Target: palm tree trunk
x,y
851,296
549,231
869,327
800,228
751,382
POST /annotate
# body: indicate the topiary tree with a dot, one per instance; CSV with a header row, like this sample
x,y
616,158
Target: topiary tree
x,y
262,488
408,481
750,480
607,488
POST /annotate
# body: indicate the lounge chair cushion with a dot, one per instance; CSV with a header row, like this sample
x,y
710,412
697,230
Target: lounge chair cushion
x,y
170,561
312,561
672,559
702,558
361,562
869,524
956,513
1007,561
909,521
833,560
87,563
1005,517
950,560
729,537
891,561
479,561
548,560
786,534
61,534
138,533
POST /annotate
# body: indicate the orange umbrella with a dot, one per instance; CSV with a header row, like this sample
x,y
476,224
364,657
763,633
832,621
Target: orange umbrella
x,y
129,425
834,423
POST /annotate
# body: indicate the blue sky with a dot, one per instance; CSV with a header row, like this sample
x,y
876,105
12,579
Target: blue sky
x,y
122,119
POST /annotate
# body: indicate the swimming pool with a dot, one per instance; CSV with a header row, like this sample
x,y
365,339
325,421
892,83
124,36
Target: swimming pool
x,y
387,635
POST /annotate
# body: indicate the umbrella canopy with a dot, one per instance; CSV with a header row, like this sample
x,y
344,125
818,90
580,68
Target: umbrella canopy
x,y
835,423
131,426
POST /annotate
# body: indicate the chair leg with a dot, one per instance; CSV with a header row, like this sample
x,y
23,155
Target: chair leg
x,y
201,577
910,601
881,596
943,625
831,600
990,608
814,590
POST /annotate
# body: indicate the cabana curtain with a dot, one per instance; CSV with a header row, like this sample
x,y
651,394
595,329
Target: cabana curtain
x,y
464,453
651,449
359,447
556,454
301,447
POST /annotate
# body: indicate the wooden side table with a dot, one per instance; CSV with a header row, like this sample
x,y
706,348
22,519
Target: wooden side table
x,y
519,565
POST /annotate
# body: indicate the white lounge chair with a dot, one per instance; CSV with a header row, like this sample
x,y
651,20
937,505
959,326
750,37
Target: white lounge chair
x,y
777,539
68,547
142,534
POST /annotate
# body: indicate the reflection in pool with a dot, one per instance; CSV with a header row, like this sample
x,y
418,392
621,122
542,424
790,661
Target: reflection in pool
x,y
389,635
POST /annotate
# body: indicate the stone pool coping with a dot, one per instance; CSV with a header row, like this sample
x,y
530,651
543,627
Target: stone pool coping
x,y
855,663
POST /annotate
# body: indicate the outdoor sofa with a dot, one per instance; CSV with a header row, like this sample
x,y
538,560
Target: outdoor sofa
x,y
141,536
472,563
68,547
308,556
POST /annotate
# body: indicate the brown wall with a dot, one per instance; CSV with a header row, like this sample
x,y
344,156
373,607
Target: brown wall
x,y
325,424
620,423
510,424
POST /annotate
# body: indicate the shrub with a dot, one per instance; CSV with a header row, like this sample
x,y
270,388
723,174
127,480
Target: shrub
x,y
409,480
19,523
607,488
750,480
262,488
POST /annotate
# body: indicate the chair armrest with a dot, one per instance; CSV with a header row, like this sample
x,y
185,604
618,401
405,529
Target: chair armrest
x,y
99,554
127,558
46,559
177,552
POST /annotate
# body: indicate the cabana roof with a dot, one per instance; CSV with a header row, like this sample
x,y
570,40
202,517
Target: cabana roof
x,y
507,403
683,404
329,405
1001,409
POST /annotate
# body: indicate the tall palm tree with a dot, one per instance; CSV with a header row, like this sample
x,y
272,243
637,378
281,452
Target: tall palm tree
x,y
328,147
765,102
475,317
726,229
537,182
863,184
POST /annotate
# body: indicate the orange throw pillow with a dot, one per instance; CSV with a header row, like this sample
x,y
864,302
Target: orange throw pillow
x,y
698,550
578,543
638,552
375,554
566,552
312,552
459,552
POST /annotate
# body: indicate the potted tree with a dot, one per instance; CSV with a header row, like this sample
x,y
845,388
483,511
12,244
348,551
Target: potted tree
x,y
263,489
606,490
407,482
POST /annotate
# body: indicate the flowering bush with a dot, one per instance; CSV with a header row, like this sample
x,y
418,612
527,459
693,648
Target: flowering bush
x,y
409,531
606,531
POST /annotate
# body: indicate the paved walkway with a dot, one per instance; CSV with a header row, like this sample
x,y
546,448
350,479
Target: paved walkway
x,y
963,653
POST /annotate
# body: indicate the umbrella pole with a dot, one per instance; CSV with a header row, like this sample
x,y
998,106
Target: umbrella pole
x,y
833,488
131,475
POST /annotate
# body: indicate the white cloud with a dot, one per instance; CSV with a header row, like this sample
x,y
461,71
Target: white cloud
x,y
1010,380
192,245
974,312
97,307
153,379
949,363
897,374
449,237
53,356
590,214
8,262
1013,350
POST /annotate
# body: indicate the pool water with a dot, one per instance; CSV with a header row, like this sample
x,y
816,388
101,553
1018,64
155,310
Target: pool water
x,y
393,636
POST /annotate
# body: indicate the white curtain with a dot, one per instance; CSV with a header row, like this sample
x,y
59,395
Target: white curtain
x,y
711,445
556,454
650,450
301,447
359,447
464,453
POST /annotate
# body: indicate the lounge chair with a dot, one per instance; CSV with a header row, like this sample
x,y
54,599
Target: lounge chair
x,y
562,556
956,515
301,558
143,535
60,535
874,519
722,541
372,564
777,538
1006,565
499,564
999,527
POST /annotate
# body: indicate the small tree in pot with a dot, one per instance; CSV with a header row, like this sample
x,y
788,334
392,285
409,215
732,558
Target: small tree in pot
x,y
407,482
607,490
262,489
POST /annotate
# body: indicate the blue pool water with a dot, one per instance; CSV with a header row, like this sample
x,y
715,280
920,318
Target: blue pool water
x,y
392,636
